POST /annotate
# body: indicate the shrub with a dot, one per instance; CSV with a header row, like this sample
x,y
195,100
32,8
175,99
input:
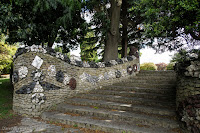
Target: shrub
x,y
6,53
161,66
148,66
170,66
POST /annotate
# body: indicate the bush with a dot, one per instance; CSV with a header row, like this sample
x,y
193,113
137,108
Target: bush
x,y
6,53
161,66
170,66
148,66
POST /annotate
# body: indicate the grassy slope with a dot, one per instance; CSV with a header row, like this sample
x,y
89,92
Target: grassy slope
x,y
6,94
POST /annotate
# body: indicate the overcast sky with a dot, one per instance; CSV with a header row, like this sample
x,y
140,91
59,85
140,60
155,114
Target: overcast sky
x,y
148,55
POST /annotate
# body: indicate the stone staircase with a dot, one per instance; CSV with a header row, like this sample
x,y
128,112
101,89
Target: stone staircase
x,y
142,104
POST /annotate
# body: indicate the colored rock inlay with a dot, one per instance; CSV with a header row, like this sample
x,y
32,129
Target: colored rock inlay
x,y
23,71
38,98
51,71
37,62
15,77
26,89
48,86
129,70
72,83
37,75
66,79
118,74
60,76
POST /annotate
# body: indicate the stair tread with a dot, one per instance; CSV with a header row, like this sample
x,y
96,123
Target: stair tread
x,y
131,99
122,87
110,104
86,121
130,115
130,93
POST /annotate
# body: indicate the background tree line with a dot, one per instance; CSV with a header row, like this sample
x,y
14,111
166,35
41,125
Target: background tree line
x,y
115,24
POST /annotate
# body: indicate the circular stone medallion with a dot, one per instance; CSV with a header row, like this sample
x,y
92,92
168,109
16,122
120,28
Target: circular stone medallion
x,y
72,83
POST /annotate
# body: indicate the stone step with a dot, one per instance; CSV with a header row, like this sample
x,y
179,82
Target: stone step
x,y
158,72
146,85
106,125
150,77
151,110
140,89
131,100
118,115
146,95
150,81
128,100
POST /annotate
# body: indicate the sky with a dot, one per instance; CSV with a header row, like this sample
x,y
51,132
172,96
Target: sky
x,y
148,55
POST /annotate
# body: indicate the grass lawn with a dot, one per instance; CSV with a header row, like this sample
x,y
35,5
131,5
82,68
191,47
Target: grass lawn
x,y
6,96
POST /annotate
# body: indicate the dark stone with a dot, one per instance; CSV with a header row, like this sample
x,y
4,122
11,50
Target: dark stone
x,y
48,86
50,51
60,76
79,63
129,70
15,77
108,64
118,74
119,61
129,58
37,78
20,51
72,83
67,59
26,89
93,64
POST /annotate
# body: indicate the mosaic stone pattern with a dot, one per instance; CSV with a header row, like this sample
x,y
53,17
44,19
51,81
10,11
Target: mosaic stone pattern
x,y
23,71
38,98
72,83
46,50
38,88
51,71
66,79
15,77
118,74
129,70
60,76
26,89
48,86
37,75
37,62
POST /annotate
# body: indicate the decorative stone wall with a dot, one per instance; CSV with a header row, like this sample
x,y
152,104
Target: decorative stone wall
x,y
188,94
43,77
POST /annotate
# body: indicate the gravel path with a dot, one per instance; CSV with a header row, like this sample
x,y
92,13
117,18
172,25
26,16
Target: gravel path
x,y
30,125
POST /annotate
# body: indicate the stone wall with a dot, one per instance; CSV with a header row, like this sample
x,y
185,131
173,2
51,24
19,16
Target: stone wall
x,y
43,78
188,94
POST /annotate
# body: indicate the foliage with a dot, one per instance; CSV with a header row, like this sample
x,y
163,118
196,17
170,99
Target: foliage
x,y
6,93
6,53
89,49
148,66
161,66
43,22
170,22
170,66
185,55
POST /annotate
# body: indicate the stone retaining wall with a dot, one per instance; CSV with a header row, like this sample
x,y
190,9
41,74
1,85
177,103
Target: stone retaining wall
x,y
188,94
43,78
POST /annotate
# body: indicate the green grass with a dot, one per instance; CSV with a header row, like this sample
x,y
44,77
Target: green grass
x,y
6,95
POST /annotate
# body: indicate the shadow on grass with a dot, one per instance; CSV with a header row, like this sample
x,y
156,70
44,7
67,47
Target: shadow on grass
x,y
6,96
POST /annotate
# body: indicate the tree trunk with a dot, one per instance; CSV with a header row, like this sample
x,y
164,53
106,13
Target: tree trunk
x,y
124,28
111,45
